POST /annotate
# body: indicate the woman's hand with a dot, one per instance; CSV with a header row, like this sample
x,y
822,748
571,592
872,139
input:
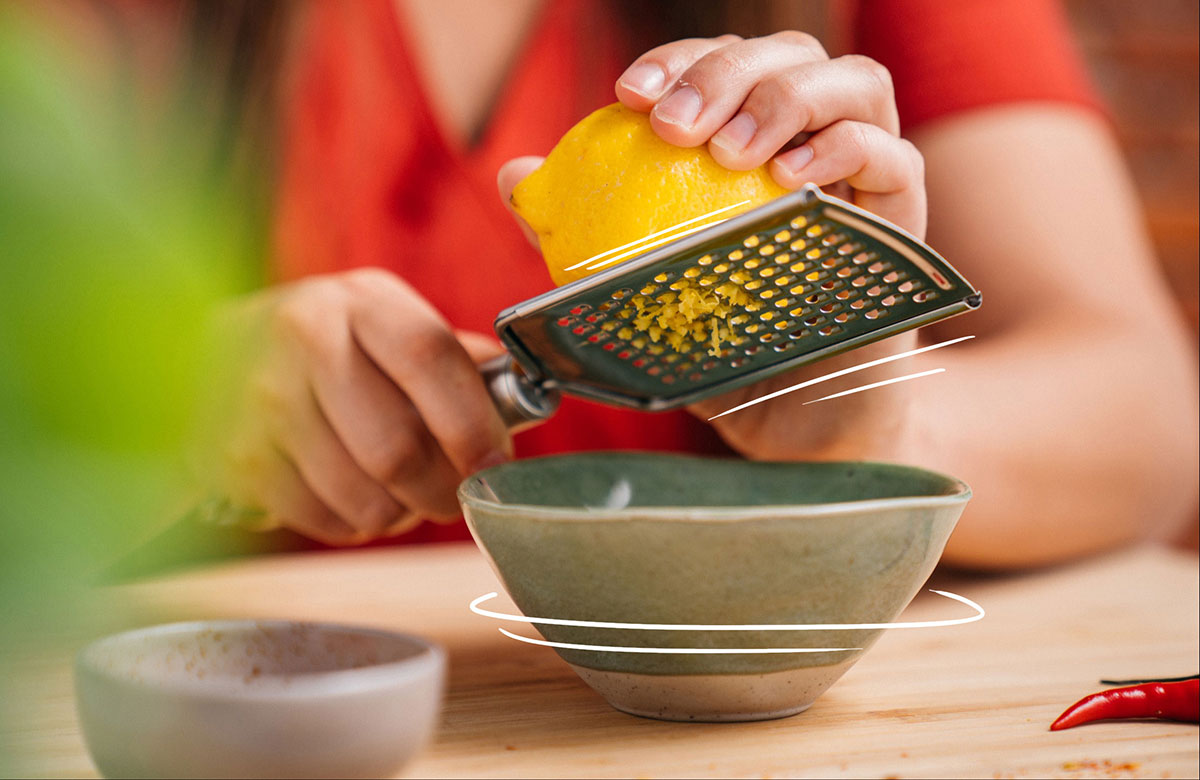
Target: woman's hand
x,y
750,100
354,410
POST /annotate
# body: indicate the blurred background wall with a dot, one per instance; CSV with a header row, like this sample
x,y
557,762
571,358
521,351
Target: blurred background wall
x,y
1144,56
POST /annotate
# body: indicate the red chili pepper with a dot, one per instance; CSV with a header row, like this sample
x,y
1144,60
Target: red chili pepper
x,y
1166,700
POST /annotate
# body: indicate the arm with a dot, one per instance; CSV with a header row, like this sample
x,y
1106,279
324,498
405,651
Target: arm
x,y
1074,414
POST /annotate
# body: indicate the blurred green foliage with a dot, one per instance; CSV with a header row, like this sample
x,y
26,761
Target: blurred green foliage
x,y
118,236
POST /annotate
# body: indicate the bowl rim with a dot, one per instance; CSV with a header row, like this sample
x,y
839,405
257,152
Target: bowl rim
x,y
715,514
430,660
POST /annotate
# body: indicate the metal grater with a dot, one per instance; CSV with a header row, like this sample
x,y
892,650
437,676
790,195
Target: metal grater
x,y
825,277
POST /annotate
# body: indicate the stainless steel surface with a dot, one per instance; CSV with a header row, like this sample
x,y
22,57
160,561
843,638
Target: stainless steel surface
x,y
824,277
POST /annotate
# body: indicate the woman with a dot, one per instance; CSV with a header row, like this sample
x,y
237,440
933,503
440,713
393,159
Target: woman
x,y
1072,414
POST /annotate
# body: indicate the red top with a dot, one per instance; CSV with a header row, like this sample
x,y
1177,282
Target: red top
x,y
369,180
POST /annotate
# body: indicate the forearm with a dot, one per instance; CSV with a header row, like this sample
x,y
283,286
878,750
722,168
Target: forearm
x,y
1075,438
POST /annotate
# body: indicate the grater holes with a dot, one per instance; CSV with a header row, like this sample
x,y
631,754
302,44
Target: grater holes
x,y
768,293
582,330
606,306
721,268
739,319
814,230
874,291
783,346
784,280
767,316
709,281
832,284
797,245
610,346
593,318
783,235
797,290
680,284
692,272
752,350
848,248
813,253
767,338
827,308
751,242
814,321
815,298
924,295
833,238
752,327
566,322
768,272
830,262
753,306
610,326
798,267
842,295
621,294
649,289
706,260
668,379
891,300
877,267
663,278
799,311
797,334
580,309
845,271
783,303
873,314
784,324
858,304
694,378
908,286
892,276
784,258
752,263
799,222
844,317
863,257
736,255
767,250
813,276
754,285
829,330
737,362
860,281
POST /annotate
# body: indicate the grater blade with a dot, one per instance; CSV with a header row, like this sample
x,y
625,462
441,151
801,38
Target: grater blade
x,y
824,277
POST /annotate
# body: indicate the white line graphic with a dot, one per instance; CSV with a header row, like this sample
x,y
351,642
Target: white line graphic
x,y
664,240
663,232
979,613
873,385
678,650
836,374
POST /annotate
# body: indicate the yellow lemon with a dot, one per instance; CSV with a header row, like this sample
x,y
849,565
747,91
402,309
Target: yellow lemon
x,y
611,181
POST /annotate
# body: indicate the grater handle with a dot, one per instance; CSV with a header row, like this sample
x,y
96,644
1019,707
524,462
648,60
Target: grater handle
x,y
521,403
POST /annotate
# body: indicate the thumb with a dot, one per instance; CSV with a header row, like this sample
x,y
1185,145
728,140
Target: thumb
x,y
509,176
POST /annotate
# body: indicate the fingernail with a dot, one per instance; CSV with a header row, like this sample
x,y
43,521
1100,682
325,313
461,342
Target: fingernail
x,y
737,133
645,78
795,160
494,458
681,107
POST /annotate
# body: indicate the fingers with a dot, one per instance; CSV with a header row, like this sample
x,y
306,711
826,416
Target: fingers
x,y
283,494
384,434
645,81
886,172
507,178
708,94
411,344
801,99
299,428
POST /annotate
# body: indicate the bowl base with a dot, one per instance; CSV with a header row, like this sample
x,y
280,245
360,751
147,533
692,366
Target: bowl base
x,y
713,698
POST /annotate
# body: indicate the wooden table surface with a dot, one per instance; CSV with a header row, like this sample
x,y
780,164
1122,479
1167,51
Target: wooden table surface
x,y
972,700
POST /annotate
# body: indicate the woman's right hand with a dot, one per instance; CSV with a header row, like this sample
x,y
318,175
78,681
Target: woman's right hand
x,y
352,409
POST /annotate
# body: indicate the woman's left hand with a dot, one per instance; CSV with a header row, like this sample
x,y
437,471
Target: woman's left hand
x,y
749,100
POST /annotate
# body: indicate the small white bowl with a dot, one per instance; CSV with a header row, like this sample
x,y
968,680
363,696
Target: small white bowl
x,y
257,699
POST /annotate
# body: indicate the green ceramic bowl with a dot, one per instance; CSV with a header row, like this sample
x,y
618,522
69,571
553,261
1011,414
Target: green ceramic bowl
x,y
670,539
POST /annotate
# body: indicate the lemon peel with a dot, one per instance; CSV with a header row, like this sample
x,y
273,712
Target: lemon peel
x,y
612,182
